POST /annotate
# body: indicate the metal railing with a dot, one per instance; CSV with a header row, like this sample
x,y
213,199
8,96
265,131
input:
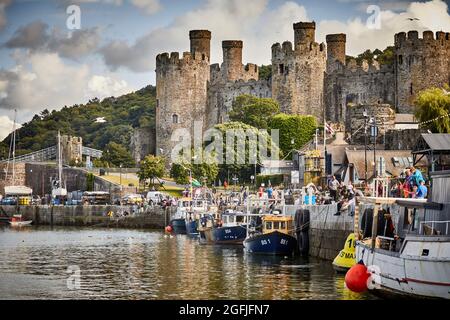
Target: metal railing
x,y
433,224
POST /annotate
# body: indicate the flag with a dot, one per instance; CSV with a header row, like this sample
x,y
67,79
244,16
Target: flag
x,y
329,128
195,183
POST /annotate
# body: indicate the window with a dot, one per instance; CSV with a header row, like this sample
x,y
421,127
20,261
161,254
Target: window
x,y
411,89
400,59
276,225
281,68
269,225
157,103
175,118
282,225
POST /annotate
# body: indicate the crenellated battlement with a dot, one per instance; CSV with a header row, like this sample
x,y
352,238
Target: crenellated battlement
x,y
301,49
352,67
404,39
165,60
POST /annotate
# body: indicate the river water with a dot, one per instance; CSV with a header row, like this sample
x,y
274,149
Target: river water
x,y
44,263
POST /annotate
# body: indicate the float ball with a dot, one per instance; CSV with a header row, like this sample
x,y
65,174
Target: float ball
x,y
356,278
169,229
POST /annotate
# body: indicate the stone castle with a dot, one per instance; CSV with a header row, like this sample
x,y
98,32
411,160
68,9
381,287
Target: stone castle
x,y
307,78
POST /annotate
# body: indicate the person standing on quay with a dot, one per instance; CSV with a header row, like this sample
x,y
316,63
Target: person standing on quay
x,y
333,186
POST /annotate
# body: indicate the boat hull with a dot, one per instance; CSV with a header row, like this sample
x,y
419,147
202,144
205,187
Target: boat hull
x,y
178,226
191,228
410,272
274,243
20,223
229,235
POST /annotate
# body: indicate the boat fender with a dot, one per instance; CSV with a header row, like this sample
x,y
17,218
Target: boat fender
x,y
356,277
169,229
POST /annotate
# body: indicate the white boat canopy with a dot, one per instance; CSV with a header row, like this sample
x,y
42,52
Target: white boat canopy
x,y
18,191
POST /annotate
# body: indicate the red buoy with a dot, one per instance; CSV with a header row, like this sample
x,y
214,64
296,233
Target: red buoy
x,y
169,229
356,277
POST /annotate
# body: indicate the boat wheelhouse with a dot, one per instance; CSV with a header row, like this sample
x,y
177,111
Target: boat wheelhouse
x,y
406,242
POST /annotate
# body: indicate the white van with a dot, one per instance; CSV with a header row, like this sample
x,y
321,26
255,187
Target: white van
x,y
154,196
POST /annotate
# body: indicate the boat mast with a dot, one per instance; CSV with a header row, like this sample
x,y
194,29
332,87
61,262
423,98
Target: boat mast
x,y
59,161
14,149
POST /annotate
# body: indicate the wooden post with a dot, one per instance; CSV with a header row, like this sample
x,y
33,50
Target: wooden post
x,y
356,221
374,225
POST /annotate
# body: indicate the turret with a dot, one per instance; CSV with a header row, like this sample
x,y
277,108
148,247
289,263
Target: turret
x,y
232,59
304,32
336,47
200,42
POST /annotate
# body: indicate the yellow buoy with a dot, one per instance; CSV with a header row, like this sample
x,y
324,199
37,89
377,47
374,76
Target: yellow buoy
x,y
347,256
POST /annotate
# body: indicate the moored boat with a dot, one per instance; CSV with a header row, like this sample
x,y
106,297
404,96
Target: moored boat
x,y
406,242
232,229
275,238
18,221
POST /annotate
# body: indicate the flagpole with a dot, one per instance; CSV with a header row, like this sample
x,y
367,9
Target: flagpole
x,y
324,146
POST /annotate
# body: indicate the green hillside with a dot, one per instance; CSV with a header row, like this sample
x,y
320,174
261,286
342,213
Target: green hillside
x,y
122,114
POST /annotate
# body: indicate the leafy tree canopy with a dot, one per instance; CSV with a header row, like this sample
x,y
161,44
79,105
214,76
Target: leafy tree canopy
x,y
431,104
265,72
294,130
152,167
116,155
122,115
254,111
383,57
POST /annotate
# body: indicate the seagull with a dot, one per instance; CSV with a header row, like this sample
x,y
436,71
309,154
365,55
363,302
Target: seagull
x,y
100,120
412,19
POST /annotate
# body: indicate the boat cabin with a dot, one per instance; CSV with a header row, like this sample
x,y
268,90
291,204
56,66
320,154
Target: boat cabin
x,y
231,218
283,224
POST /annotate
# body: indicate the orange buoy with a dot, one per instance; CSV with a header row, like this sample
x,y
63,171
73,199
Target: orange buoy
x,y
356,277
169,229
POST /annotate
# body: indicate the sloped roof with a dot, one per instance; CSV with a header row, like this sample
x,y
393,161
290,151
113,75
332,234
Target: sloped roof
x,y
394,168
437,141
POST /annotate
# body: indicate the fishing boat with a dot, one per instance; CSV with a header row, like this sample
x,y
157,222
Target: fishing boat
x,y
178,222
405,243
17,221
199,208
231,229
275,236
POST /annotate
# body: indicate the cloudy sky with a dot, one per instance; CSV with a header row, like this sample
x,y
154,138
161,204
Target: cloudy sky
x,y
46,61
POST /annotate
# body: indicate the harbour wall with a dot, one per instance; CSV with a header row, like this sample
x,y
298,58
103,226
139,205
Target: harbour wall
x,y
93,216
327,233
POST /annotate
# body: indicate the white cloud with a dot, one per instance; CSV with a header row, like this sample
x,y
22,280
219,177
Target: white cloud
x,y
251,21
433,16
106,86
6,126
3,5
149,6
43,80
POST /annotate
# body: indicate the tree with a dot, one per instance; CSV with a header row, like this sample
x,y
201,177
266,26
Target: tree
x,y
116,155
293,128
207,169
254,111
431,104
152,167
265,72
236,165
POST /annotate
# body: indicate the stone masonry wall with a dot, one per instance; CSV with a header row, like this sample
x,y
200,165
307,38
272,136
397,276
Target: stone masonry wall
x,y
383,113
142,143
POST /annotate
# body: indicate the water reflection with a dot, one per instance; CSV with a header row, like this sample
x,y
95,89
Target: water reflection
x,y
131,264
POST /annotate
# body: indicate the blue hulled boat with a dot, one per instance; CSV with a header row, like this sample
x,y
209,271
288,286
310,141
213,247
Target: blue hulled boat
x,y
275,238
178,225
232,229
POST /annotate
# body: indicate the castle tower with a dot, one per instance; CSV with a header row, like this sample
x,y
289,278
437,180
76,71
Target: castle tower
x,y
420,63
200,42
181,90
298,73
335,51
304,32
232,59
